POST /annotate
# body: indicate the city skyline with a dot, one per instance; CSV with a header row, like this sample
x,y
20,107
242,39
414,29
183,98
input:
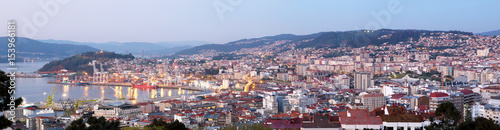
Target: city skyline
x,y
393,64
220,21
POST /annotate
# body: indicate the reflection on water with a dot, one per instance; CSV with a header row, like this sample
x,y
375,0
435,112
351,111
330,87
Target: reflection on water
x,y
102,92
135,93
129,92
37,89
86,91
66,88
153,93
161,92
33,90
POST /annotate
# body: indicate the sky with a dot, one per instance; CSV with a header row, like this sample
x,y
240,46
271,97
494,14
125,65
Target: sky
x,y
222,21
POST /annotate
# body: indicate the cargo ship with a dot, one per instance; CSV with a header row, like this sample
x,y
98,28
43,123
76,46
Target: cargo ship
x,y
144,86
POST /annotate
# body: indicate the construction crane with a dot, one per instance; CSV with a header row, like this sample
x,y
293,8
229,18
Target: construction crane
x,y
50,98
79,103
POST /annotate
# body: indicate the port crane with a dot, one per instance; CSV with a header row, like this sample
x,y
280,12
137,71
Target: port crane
x,y
50,98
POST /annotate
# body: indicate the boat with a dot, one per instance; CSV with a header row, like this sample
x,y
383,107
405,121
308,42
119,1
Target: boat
x,y
74,83
81,83
25,103
147,86
45,111
28,105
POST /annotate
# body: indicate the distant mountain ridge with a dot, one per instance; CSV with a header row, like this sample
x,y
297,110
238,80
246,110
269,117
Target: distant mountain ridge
x,y
490,33
246,43
357,38
157,48
30,48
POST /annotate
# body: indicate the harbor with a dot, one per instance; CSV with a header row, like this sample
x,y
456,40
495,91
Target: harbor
x,y
36,90
130,85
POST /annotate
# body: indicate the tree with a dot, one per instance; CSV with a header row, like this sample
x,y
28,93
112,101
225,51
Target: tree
x,y
77,125
480,123
176,125
448,115
162,125
5,99
94,124
101,124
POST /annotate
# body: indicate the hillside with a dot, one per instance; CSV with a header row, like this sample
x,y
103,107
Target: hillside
x,y
149,48
246,43
357,38
81,62
30,48
490,33
363,38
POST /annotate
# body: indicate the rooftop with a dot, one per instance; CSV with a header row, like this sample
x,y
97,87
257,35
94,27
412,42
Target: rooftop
x,y
360,116
439,94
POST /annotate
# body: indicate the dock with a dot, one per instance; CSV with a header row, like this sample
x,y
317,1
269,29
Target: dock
x,y
130,85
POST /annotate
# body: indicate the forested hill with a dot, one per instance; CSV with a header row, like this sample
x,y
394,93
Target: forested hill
x,y
81,62
356,38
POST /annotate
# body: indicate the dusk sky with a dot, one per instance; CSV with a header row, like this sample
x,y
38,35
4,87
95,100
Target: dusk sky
x,y
167,20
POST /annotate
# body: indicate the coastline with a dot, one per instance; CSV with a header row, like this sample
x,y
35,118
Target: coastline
x,y
130,85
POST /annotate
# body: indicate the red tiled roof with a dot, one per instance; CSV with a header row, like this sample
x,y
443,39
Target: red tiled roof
x,y
180,114
467,91
292,114
44,117
210,100
439,94
423,107
360,116
397,96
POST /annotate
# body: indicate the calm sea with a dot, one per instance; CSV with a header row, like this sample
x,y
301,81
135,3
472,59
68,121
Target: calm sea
x,y
37,89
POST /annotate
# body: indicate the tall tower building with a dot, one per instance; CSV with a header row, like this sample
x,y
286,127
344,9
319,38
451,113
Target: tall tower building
x,y
363,80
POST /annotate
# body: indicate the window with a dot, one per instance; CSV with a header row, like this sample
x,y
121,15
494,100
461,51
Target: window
x,y
401,128
418,128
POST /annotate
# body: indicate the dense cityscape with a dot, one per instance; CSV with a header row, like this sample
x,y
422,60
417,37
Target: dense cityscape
x,y
249,65
387,86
